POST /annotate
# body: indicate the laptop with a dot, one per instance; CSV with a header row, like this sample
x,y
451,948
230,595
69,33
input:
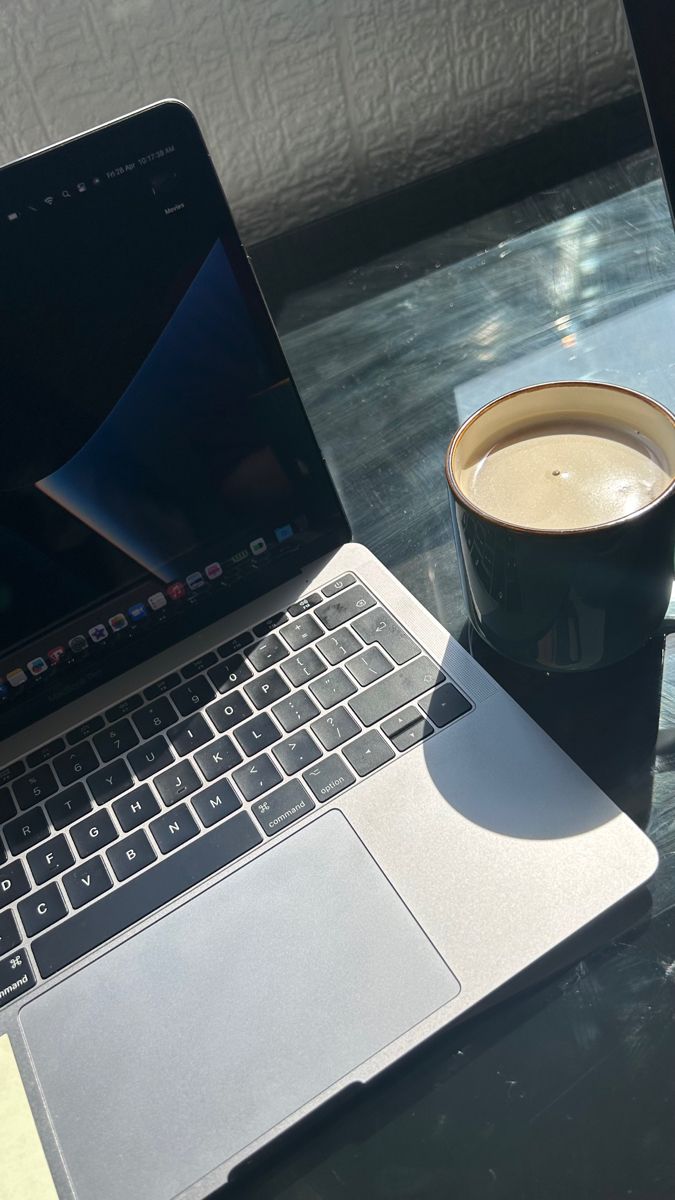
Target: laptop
x,y
265,826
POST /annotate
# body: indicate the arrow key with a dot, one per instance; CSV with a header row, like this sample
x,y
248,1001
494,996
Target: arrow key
x,y
368,752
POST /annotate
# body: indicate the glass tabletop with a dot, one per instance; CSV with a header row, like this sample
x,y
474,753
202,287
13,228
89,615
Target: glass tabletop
x,y
566,1087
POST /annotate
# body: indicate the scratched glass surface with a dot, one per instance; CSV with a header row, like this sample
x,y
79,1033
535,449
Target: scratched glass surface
x,y
567,1088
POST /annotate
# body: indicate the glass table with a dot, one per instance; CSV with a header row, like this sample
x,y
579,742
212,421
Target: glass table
x,y
567,1086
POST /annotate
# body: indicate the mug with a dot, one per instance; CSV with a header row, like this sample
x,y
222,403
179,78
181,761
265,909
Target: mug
x,y
568,565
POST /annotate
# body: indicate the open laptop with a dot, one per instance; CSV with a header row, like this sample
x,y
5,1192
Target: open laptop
x,y
265,826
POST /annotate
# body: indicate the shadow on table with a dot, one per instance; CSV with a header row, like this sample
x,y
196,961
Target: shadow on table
x,y
362,1113
607,721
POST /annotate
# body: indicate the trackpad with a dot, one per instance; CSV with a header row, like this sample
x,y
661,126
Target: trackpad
x,y
182,1046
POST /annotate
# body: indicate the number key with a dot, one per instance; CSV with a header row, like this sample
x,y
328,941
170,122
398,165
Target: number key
x,y
36,786
76,763
154,717
227,675
115,740
190,697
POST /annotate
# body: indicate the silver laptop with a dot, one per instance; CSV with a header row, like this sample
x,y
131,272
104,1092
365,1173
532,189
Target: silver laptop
x,y
265,826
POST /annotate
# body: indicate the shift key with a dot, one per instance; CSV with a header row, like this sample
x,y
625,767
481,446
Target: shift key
x,y
392,692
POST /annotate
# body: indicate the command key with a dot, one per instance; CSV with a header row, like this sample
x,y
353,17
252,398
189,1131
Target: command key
x,y
16,977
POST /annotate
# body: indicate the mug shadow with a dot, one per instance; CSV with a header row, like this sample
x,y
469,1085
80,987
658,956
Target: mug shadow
x,y
607,721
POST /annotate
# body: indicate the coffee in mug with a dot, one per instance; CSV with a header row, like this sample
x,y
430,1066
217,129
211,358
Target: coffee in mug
x,y
563,505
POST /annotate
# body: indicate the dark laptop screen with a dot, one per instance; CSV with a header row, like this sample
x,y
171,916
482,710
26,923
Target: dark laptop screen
x,y
156,467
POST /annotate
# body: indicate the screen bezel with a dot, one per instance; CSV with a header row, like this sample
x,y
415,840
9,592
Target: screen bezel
x,y
127,136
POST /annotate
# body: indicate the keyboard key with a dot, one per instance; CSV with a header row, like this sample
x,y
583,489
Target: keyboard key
x,y
345,581
257,734
229,712
369,666
124,708
3,853
85,730
383,698
269,624
93,833
11,772
303,667
136,807
297,752
229,674
297,710
174,828
378,626
199,664
217,758
37,786
115,740
345,606
42,909
68,806
50,859
190,734
407,728
7,805
267,653
266,689
192,696
39,756
153,756
283,807
256,777
162,686
332,688
154,717
304,605
301,632
87,882
145,894
16,977
339,645
9,933
110,781
368,752
216,802
26,830
334,729
13,883
444,705
131,855
176,783
76,763
235,644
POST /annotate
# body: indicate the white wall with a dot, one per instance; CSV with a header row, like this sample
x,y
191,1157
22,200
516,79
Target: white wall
x,y
310,105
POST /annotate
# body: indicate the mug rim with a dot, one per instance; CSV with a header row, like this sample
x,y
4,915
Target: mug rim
x,y
528,529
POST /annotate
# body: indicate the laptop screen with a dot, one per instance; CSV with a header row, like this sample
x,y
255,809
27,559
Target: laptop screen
x,y
156,467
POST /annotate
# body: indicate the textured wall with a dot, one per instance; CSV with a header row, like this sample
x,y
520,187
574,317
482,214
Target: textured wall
x,y
311,104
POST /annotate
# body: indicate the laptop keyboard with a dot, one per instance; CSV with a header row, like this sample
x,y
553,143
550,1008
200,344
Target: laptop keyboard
x,y
101,827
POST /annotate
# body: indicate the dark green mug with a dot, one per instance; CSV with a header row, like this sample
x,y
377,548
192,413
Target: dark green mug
x,y
548,589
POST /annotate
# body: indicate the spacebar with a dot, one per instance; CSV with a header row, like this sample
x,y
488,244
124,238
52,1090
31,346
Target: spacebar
x,y
119,909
